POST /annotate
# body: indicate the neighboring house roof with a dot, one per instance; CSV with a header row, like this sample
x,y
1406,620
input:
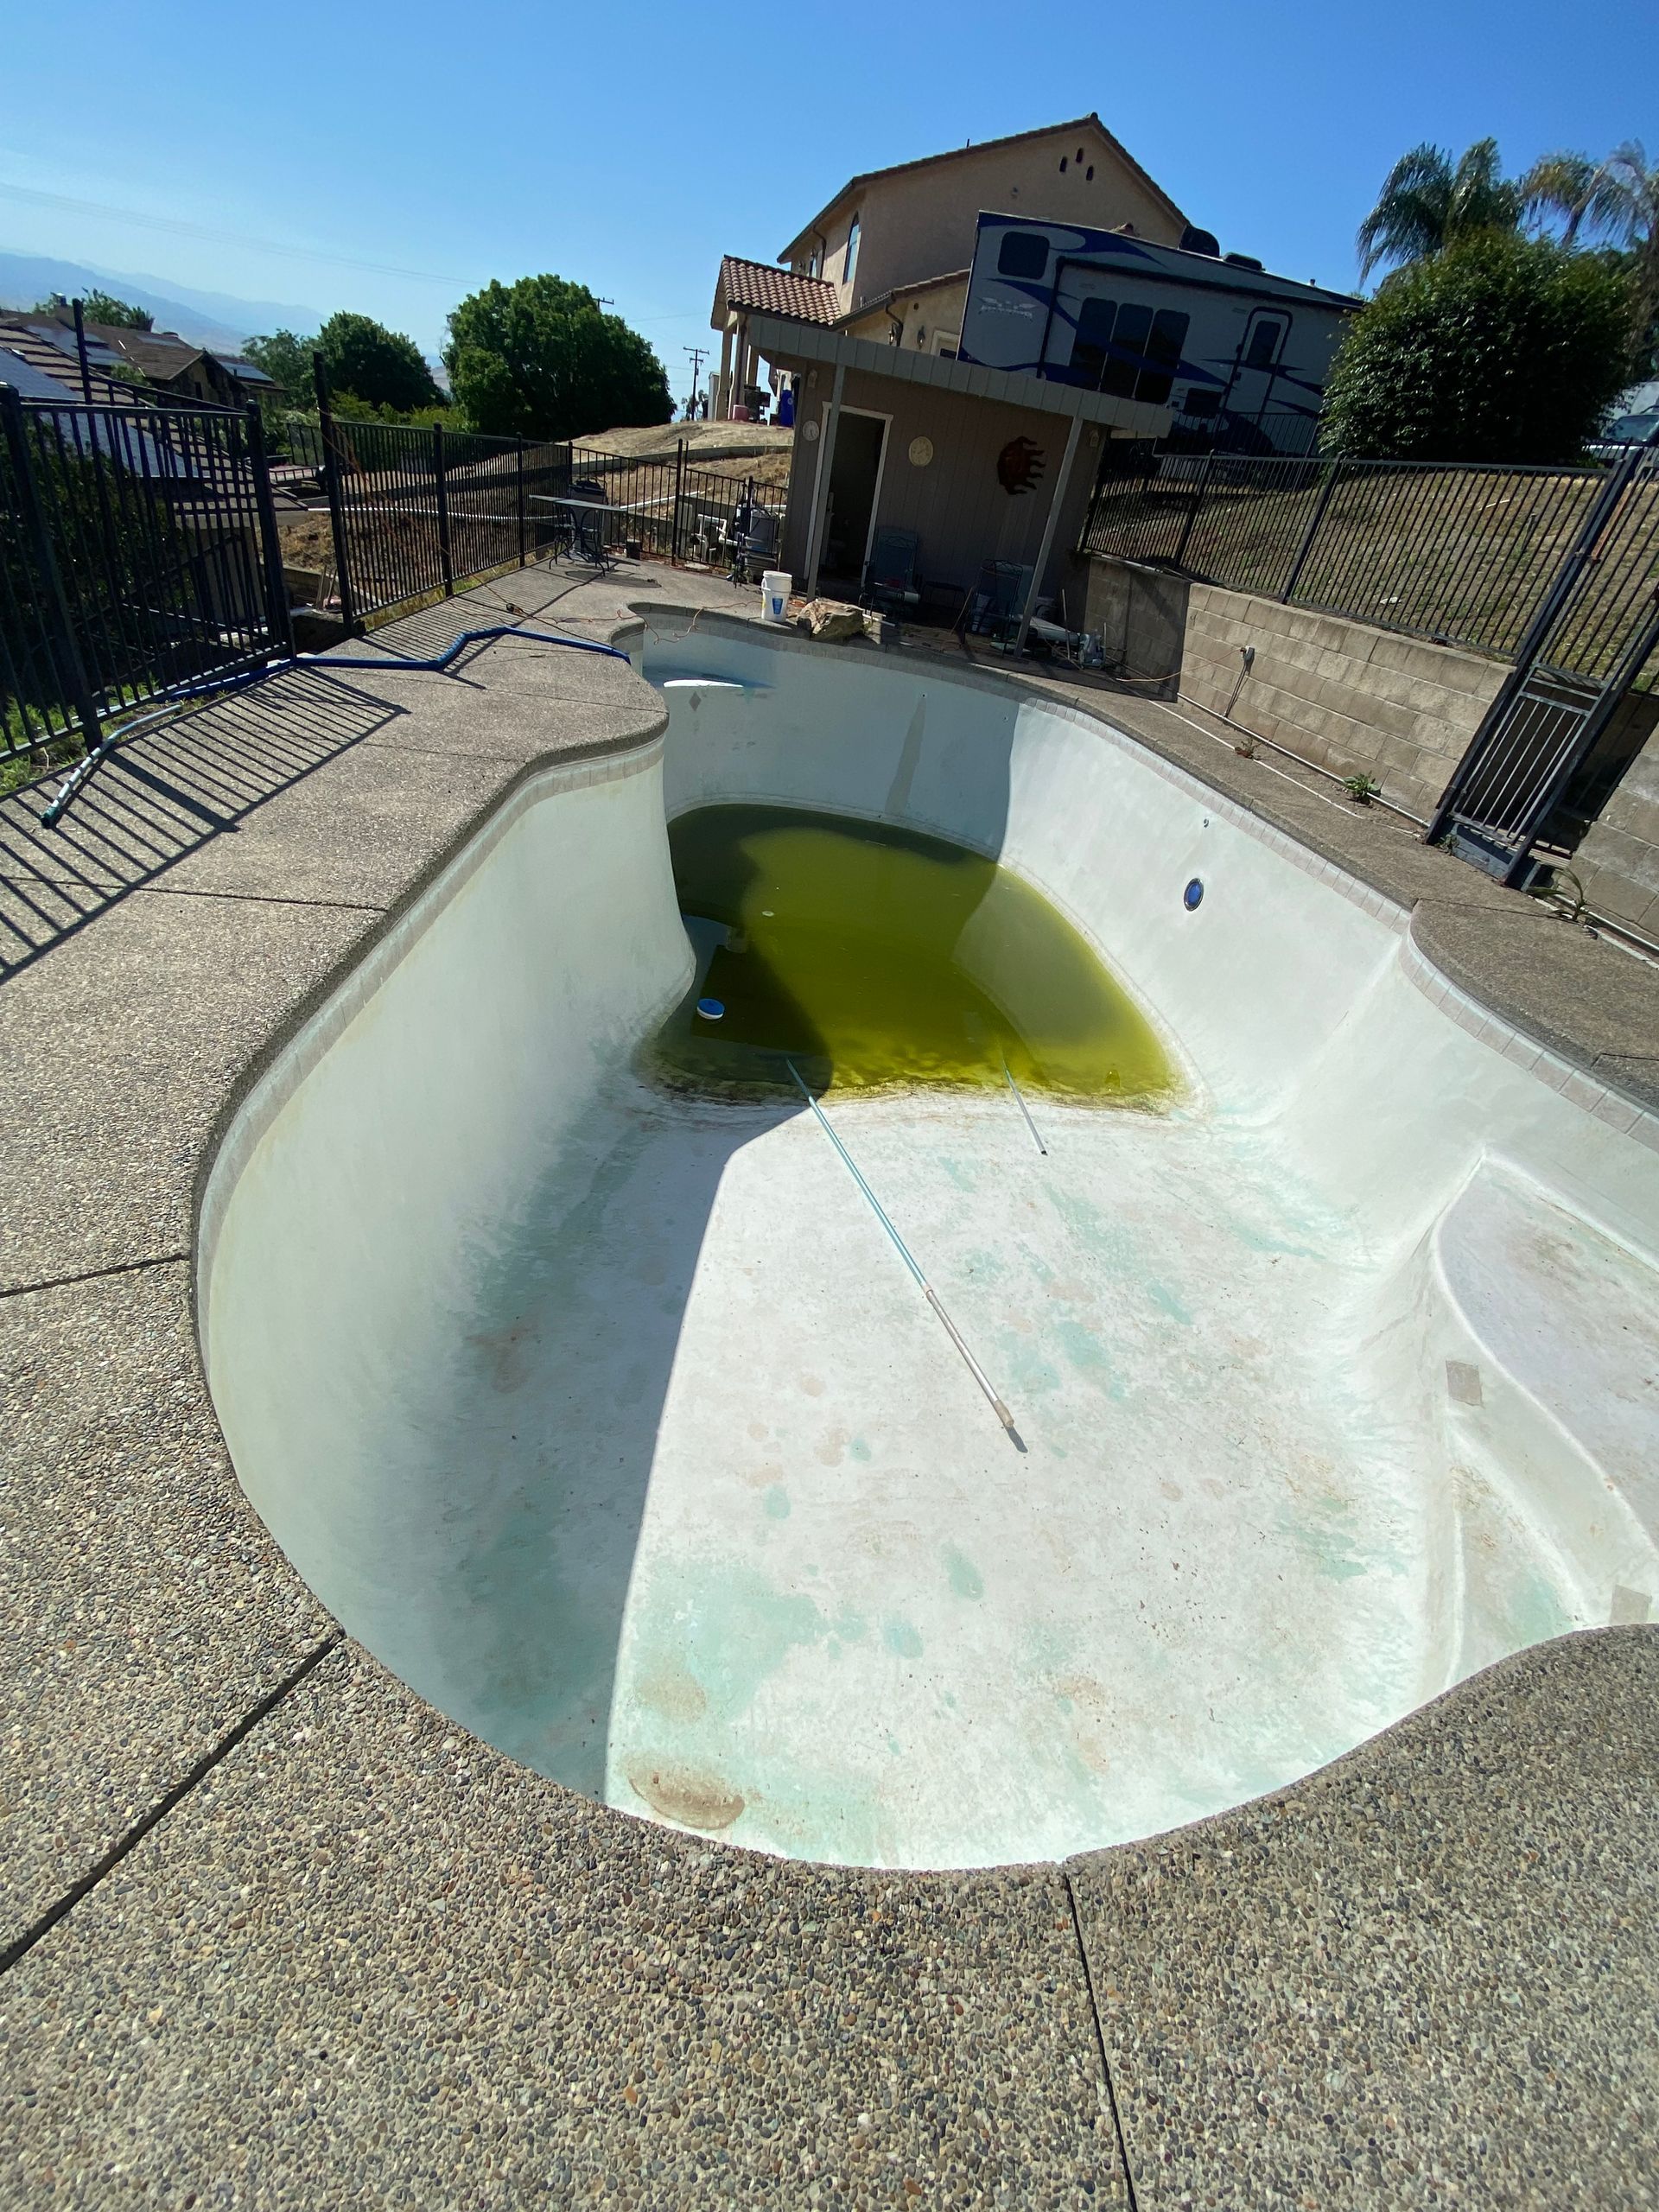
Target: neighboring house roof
x,y
164,357
155,354
243,371
749,286
58,369
1089,122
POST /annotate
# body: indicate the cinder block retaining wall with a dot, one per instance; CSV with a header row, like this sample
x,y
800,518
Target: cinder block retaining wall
x,y
1356,700
1359,700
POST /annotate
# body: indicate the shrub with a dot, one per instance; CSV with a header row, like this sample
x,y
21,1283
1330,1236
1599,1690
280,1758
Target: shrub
x,y
1499,349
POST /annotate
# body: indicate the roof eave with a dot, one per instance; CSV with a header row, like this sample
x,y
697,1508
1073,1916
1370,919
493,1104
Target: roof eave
x,y
782,339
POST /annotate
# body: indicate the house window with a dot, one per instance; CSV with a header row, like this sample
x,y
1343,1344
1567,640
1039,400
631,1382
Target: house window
x,y
812,263
1089,174
1264,343
1062,164
1023,253
852,251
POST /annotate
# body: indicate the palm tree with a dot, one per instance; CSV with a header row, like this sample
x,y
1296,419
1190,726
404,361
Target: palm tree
x,y
1618,200
1427,202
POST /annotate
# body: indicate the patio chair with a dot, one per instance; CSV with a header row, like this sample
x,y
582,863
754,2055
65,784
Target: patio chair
x,y
993,607
890,572
591,532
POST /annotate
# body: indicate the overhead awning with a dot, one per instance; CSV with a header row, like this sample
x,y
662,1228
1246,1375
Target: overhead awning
x,y
782,339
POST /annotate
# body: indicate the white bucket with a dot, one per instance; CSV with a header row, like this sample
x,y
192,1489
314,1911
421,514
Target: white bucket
x,y
774,595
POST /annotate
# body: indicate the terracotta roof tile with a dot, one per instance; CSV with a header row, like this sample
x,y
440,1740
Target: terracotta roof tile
x,y
761,285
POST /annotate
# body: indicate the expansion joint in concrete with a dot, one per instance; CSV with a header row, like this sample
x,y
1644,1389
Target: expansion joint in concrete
x,y
43,1925
1100,2041
93,1274
264,899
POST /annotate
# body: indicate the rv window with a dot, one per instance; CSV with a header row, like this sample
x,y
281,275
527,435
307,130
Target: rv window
x,y
1094,335
1023,253
1129,337
1163,351
1264,343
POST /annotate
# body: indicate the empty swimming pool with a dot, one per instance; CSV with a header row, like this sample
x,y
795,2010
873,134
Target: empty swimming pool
x,y
575,1362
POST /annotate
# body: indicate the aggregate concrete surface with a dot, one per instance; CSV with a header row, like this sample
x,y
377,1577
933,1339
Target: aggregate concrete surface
x,y
277,1934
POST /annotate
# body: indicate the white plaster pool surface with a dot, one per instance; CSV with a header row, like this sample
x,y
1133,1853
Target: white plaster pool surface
x,y
612,1421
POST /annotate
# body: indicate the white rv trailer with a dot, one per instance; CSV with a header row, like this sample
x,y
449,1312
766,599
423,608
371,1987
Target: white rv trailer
x,y
1240,355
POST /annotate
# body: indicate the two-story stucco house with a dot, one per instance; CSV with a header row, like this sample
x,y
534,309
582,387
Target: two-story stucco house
x,y
962,465
887,259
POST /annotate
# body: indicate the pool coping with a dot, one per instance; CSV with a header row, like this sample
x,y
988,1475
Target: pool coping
x,y
1098,2006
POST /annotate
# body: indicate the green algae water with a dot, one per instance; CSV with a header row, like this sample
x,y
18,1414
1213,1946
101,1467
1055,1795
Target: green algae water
x,y
876,957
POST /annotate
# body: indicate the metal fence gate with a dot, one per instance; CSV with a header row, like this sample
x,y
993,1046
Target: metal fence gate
x,y
1594,632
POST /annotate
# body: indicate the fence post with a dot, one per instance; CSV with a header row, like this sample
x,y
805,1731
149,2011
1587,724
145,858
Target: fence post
x,y
74,667
1299,562
332,485
1192,513
270,543
521,503
444,560
679,493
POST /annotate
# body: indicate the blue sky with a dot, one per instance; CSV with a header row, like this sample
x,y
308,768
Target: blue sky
x,y
261,150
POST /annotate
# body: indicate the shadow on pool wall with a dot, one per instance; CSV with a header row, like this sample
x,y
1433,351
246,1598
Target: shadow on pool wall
x,y
536,1372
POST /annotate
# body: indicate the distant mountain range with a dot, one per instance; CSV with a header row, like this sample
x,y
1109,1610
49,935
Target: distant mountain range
x,y
217,319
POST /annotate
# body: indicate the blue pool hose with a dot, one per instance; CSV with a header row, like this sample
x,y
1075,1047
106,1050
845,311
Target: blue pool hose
x,y
383,662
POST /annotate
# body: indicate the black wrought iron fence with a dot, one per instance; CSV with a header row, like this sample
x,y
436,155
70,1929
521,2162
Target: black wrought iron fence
x,y
138,555
676,510
1462,554
415,510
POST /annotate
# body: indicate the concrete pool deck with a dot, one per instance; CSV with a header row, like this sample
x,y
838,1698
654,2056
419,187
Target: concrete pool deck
x,y
283,1935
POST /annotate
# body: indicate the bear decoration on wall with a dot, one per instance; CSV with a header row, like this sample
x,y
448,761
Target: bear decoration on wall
x,y
1019,465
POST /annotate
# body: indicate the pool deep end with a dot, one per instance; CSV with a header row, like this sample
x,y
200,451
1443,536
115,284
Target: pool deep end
x,y
878,958
609,1419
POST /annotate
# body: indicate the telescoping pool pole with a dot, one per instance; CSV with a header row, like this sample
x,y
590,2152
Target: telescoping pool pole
x,y
904,1252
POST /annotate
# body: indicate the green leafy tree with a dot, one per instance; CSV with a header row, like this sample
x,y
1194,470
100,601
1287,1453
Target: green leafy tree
x,y
542,358
286,357
1428,202
104,308
376,365
1500,348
